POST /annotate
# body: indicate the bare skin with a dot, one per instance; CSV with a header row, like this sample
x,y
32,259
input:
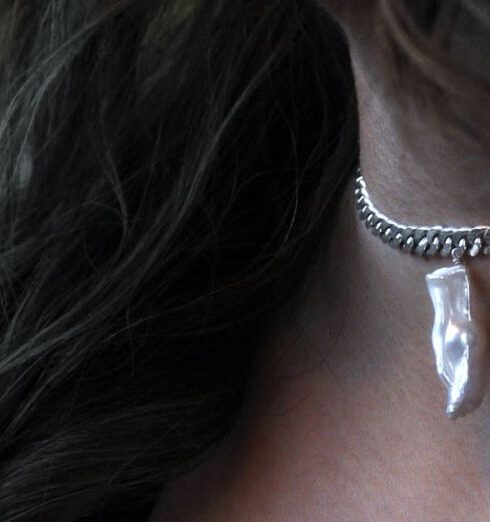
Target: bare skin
x,y
345,420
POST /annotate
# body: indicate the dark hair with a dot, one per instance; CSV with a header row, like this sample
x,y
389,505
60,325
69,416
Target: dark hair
x,y
166,170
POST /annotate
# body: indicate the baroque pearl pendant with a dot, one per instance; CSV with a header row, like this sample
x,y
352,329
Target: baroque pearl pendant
x,y
459,338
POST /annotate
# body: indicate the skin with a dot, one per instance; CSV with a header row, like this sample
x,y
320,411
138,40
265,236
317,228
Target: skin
x,y
345,418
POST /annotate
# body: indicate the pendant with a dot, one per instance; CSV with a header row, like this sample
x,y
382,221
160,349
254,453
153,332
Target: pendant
x,y
459,337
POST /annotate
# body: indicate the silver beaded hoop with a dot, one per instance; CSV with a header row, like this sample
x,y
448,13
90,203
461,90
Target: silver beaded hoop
x,y
422,240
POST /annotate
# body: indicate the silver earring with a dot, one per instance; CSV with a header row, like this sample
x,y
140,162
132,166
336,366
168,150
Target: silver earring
x,y
459,333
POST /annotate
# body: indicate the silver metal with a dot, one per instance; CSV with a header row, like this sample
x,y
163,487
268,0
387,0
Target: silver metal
x,y
426,239
408,244
459,339
396,241
422,246
447,247
458,252
459,334
475,247
378,229
386,235
435,244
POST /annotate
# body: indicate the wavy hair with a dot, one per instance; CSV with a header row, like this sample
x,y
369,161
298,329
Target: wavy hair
x,y
165,169
168,168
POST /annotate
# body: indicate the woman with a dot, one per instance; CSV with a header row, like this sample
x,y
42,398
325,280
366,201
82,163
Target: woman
x,y
195,324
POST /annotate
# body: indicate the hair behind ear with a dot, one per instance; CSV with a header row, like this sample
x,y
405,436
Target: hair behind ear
x,y
166,171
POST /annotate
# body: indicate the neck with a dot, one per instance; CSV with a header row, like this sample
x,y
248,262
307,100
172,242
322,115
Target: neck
x,y
347,415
